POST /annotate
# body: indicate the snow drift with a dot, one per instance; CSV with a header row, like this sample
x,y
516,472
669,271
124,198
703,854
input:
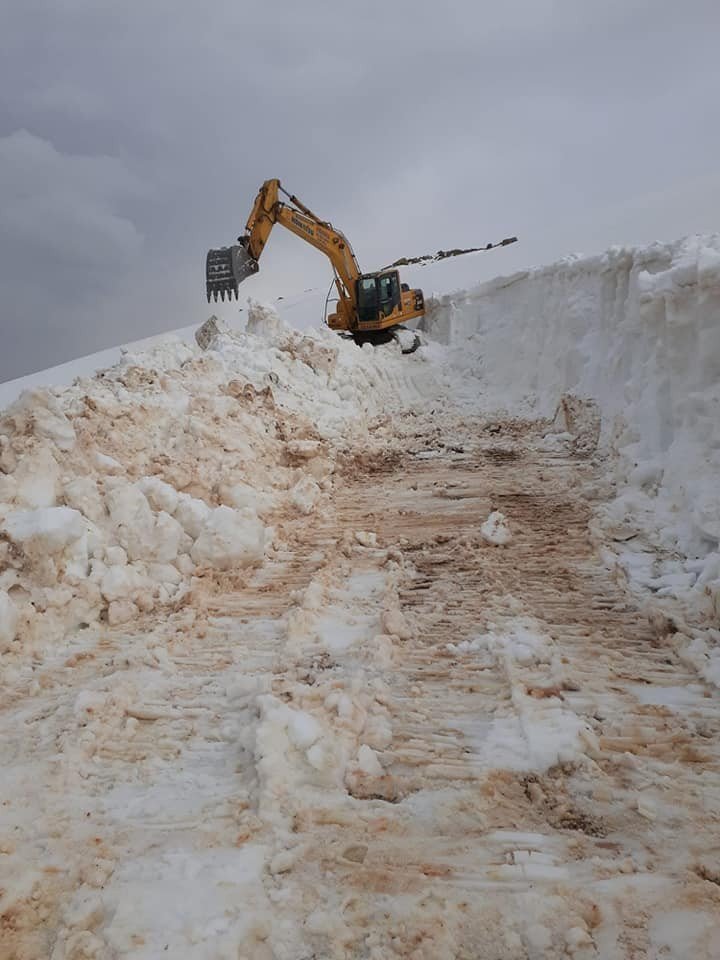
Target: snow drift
x,y
638,331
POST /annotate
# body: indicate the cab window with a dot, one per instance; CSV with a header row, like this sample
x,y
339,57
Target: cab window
x,y
367,298
389,292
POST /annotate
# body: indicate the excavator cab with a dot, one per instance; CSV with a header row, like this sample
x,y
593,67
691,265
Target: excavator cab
x,y
378,294
383,302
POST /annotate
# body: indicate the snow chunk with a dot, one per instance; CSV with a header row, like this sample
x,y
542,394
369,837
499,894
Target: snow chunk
x,y
522,642
496,530
303,729
144,536
50,529
365,538
230,538
305,495
43,413
703,653
115,556
108,464
8,621
240,495
120,582
208,332
121,611
38,479
304,449
264,320
394,623
129,510
192,514
160,495
368,763
54,426
82,494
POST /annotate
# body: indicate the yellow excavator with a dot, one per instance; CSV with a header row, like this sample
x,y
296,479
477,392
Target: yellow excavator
x,y
368,303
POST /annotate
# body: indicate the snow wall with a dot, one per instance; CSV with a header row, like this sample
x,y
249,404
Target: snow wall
x,y
635,329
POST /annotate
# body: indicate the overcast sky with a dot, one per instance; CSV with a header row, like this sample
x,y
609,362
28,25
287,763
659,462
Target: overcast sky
x,y
134,135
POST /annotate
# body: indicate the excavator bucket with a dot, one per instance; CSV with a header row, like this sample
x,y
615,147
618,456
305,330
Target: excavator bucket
x,y
225,270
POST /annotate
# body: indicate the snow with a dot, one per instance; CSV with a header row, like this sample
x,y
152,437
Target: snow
x,y
257,705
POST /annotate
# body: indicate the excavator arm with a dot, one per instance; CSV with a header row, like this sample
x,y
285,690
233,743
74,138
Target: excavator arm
x,y
227,267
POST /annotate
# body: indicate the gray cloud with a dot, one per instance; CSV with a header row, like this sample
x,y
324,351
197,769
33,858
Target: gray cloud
x,y
134,136
61,207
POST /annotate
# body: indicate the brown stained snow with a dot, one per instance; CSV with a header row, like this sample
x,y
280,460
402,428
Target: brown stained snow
x,y
353,717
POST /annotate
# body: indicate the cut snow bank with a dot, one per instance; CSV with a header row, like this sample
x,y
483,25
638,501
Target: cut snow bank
x,y
637,330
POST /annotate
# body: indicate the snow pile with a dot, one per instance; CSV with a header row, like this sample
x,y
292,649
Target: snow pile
x,y
636,330
182,462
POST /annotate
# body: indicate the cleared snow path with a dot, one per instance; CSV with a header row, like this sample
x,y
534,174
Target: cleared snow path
x,y
396,739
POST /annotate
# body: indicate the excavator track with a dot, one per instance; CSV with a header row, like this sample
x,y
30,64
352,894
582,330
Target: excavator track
x,y
225,269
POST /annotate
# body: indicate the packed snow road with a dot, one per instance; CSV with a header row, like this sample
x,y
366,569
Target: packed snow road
x,y
397,738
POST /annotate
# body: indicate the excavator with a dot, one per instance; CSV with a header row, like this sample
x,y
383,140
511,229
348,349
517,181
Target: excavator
x,y
368,303
370,306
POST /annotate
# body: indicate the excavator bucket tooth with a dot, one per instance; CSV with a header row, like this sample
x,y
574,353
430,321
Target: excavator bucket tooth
x,y
225,270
